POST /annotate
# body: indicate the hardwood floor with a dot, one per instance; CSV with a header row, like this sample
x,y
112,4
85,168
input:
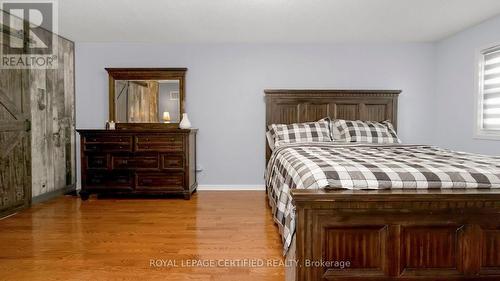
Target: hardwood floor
x,y
116,239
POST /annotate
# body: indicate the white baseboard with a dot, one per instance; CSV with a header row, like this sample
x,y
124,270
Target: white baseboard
x,y
232,187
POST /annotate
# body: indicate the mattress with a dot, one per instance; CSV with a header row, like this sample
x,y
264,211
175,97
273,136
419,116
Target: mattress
x,y
369,166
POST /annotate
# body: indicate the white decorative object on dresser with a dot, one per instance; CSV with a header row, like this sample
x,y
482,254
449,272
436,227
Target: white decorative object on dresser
x,y
185,123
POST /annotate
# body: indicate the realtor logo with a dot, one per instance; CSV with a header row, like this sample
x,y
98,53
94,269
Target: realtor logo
x,y
29,34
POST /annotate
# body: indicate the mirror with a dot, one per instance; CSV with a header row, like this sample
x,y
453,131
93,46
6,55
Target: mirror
x,y
147,101
146,97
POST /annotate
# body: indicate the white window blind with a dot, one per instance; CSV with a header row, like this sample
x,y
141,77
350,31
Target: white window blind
x,y
490,91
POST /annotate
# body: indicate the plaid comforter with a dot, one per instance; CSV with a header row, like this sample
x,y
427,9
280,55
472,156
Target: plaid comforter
x,y
369,166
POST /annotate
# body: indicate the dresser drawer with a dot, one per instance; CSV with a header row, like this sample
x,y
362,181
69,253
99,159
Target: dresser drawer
x,y
108,139
172,161
97,161
135,162
171,143
108,147
101,143
111,180
160,181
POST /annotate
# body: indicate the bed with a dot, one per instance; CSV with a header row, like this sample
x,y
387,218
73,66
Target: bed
x,y
391,228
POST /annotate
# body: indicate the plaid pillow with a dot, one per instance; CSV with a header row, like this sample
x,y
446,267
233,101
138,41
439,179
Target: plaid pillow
x,y
301,132
364,131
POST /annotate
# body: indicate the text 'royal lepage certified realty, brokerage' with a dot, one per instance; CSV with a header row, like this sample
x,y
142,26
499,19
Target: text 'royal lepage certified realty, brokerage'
x,y
172,263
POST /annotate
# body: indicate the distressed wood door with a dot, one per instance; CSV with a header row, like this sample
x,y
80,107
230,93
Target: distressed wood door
x,y
53,116
15,145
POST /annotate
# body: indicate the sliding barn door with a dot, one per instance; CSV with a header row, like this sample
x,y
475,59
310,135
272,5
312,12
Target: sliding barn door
x,y
15,150
53,135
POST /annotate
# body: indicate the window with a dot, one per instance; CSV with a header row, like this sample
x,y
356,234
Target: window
x,y
488,105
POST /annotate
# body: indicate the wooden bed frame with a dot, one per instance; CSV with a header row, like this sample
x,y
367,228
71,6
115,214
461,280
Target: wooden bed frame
x,y
385,234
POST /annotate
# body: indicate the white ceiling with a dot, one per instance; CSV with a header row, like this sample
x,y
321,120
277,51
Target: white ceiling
x,y
270,21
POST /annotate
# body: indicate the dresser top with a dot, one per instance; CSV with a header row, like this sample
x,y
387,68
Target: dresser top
x,y
136,131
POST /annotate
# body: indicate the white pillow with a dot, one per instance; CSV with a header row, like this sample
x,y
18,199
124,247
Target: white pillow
x,y
270,140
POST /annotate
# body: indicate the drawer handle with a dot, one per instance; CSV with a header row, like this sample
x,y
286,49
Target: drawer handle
x,y
147,180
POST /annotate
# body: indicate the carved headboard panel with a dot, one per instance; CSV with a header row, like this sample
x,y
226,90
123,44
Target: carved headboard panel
x,y
293,106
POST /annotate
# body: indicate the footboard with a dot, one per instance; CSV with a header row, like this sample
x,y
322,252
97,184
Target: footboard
x,y
397,235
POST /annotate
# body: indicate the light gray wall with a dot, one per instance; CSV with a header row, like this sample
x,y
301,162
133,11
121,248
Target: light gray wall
x,y
455,92
225,86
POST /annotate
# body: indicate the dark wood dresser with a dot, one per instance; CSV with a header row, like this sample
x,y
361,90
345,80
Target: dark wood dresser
x,y
152,162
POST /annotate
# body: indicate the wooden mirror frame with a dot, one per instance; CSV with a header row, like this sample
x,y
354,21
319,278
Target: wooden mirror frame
x,y
145,74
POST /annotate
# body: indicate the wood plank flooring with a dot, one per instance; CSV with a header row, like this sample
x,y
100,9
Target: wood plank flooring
x,y
117,239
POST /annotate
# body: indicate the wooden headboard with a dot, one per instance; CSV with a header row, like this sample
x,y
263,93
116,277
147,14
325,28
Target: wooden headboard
x,y
294,106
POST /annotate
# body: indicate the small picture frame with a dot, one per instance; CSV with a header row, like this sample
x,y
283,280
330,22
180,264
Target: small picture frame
x,y
174,95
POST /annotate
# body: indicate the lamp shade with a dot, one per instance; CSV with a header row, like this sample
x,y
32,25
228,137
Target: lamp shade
x,y
166,116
